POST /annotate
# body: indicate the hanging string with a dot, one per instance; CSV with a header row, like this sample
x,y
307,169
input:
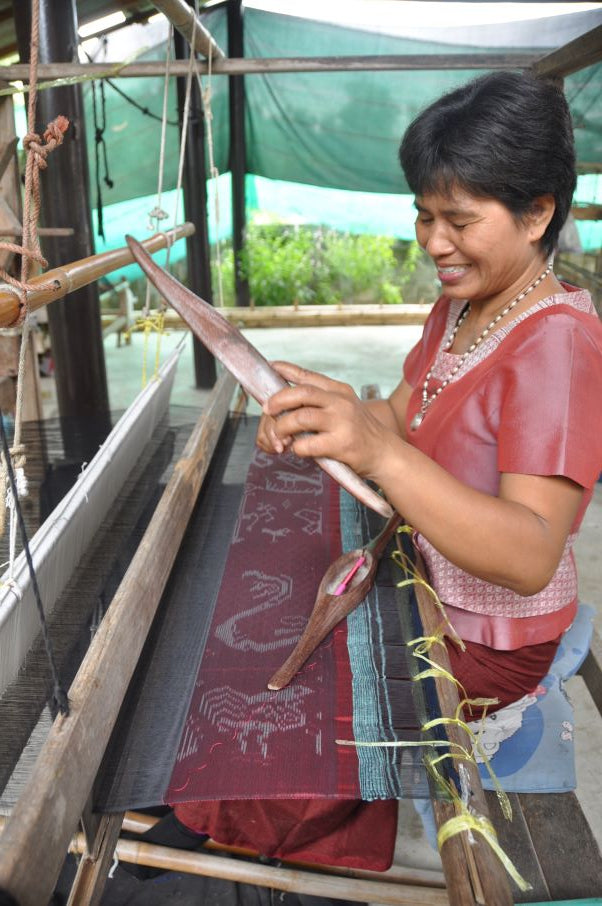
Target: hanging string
x,y
100,146
213,171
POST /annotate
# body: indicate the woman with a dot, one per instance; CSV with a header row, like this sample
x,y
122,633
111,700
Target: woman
x,y
492,443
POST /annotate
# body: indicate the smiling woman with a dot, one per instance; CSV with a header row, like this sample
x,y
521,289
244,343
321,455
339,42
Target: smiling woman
x,y
492,443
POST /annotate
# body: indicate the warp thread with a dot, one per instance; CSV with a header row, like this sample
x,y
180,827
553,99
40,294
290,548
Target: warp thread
x,y
59,701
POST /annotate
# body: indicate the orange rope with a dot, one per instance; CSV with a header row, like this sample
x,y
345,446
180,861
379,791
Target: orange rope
x,y
37,150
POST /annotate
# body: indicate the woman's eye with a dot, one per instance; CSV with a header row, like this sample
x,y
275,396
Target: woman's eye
x,y
459,226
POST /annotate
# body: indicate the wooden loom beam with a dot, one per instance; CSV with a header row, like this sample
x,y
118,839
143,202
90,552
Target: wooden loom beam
x,y
56,793
262,65
486,880
80,273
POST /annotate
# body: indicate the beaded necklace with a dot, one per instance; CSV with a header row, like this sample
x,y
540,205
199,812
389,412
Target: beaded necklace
x,y
426,399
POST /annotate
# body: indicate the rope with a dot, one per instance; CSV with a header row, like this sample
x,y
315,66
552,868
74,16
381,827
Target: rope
x,y
213,171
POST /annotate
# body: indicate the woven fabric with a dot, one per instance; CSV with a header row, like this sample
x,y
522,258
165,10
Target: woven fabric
x,y
241,740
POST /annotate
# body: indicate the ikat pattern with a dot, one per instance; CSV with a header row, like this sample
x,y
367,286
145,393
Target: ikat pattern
x,y
241,740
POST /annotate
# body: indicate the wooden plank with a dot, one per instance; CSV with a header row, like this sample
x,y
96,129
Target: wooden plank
x,y
565,845
515,840
262,65
92,871
8,150
586,50
62,777
591,670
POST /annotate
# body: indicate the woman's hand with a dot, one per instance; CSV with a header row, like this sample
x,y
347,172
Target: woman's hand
x,y
321,417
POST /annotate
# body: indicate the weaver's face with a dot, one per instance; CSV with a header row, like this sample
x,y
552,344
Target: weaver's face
x,y
479,248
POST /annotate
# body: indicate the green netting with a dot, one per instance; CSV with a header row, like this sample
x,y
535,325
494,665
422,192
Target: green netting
x,y
338,130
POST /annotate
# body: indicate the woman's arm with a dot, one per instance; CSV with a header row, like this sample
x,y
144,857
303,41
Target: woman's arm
x,y
515,539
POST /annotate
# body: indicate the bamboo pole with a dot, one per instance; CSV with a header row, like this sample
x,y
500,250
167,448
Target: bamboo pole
x,y
80,273
184,19
138,823
62,777
279,878
305,316
261,65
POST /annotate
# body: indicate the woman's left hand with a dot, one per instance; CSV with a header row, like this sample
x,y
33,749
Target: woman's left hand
x,y
326,419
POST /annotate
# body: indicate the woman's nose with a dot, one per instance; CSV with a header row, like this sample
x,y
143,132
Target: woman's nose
x,y
437,241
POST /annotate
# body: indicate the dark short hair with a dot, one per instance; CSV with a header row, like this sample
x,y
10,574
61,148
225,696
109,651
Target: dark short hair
x,y
506,135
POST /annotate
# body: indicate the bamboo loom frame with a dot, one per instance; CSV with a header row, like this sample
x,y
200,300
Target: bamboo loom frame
x,y
69,277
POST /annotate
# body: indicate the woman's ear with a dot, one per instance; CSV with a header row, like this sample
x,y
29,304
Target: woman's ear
x,y
540,215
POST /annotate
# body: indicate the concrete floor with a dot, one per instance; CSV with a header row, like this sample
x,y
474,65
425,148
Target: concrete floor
x,y
361,355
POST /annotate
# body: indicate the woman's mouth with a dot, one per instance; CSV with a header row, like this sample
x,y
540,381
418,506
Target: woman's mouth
x,y
451,273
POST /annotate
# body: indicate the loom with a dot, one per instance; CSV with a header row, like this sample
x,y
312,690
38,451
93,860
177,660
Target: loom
x,y
78,742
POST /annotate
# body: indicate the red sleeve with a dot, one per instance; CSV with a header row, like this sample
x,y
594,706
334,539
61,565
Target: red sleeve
x,y
420,358
550,421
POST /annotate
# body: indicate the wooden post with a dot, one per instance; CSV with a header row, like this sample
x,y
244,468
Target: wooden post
x,y
74,324
238,151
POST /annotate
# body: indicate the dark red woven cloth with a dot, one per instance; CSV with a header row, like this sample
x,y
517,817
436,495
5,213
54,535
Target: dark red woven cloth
x,y
261,769
326,831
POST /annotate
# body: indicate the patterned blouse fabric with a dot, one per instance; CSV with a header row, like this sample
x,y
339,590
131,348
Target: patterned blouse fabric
x,y
526,402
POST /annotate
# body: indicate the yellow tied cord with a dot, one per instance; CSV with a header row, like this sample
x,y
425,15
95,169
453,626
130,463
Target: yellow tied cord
x,y
456,721
400,558
466,821
148,324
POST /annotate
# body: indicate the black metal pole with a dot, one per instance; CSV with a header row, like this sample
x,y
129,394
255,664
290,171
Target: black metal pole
x,y
238,150
75,327
194,184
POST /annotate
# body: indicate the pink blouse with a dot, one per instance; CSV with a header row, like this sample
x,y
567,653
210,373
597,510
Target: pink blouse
x,y
528,401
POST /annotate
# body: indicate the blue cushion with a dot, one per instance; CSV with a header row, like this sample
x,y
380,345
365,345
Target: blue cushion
x,y
530,743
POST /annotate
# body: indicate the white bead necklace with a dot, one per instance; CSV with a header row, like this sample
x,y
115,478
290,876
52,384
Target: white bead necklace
x,y
426,399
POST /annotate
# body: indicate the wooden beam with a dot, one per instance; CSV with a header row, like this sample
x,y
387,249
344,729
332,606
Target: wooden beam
x,y
184,19
486,880
253,65
577,54
585,166
306,316
587,212
42,231
69,277
8,150
63,775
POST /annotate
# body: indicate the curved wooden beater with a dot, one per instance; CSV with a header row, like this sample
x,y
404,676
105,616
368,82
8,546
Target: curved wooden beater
x,y
245,362
345,584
